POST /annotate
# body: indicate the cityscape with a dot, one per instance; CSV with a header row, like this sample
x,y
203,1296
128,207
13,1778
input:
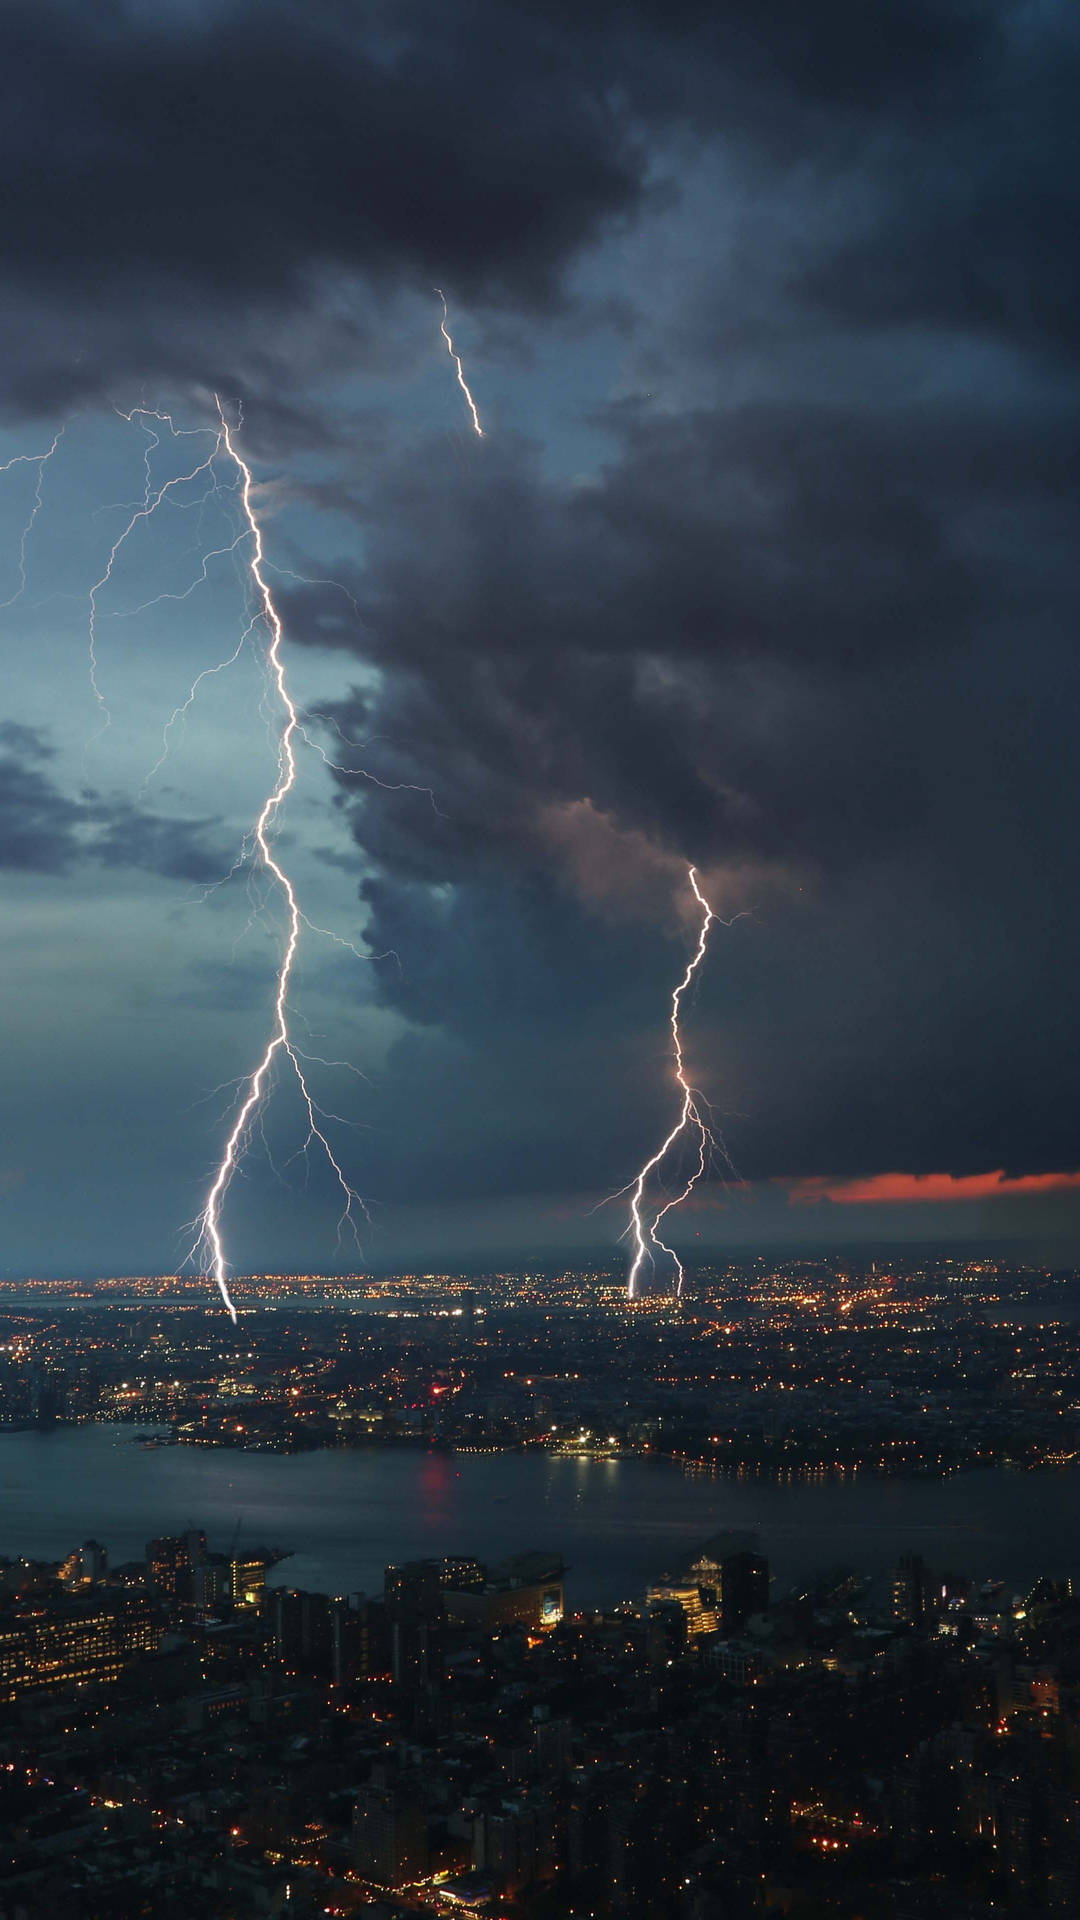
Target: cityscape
x,y
808,1367
190,1729
539,940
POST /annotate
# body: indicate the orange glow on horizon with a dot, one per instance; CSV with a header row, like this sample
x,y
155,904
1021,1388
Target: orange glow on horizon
x,y
902,1188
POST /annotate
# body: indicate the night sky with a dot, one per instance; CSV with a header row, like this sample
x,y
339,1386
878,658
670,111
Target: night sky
x,y
767,561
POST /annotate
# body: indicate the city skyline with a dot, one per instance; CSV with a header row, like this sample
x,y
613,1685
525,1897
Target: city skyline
x,y
534,1601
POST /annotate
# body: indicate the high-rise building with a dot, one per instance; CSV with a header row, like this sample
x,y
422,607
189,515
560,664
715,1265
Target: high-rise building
x,y
359,1648
85,1566
698,1608
326,1637
48,1391
414,1587
744,1589
211,1584
390,1840
248,1579
513,1842
73,1642
300,1630
733,1577
911,1590
415,1614
172,1560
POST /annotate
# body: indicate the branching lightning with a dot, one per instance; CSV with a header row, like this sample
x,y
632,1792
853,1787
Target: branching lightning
x,y
218,446
456,358
151,501
209,1238
691,1124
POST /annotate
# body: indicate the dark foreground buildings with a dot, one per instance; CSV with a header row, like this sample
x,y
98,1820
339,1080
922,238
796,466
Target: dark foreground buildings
x,y
176,1741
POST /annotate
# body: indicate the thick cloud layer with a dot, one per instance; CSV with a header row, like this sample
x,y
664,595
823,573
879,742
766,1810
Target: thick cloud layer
x,y
791,646
806,619
190,192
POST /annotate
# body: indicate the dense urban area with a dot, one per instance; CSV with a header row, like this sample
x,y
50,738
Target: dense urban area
x,y
188,1734
805,1367
179,1738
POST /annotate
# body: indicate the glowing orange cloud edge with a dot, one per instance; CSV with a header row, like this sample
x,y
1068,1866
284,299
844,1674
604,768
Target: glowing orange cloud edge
x,y
902,1188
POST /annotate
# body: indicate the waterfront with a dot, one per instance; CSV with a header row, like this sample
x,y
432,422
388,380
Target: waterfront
x,y
619,1523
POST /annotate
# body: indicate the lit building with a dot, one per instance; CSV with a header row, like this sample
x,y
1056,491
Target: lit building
x,y
210,1583
248,1579
525,1591
172,1560
700,1615
911,1590
732,1572
74,1642
85,1566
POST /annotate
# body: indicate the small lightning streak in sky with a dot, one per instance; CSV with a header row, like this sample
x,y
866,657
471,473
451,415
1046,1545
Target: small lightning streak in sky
x,y
40,461
152,500
691,1124
209,1237
456,358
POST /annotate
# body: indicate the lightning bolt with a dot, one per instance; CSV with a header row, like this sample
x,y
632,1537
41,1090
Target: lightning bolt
x,y
218,446
209,1236
691,1124
456,358
40,461
248,1115
153,498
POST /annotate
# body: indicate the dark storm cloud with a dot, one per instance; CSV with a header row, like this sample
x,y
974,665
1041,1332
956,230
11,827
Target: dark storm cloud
x,y
204,180
701,617
823,648
819,650
970,222
781,75
240,148
174,171
43,830
276,138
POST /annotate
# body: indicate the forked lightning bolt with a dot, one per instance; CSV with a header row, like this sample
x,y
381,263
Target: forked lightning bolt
x,y
209,1237
208,1244
690,1123
456,358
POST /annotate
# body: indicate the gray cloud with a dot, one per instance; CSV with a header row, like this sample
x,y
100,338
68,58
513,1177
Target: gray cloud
x,y
43,830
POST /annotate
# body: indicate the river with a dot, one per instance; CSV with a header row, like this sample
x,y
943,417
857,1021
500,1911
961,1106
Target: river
x,y
618,1523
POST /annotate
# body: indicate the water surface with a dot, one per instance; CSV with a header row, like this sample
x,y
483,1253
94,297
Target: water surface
x,y
619,1523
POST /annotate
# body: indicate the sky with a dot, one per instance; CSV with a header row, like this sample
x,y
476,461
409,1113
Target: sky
x,y
766,562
